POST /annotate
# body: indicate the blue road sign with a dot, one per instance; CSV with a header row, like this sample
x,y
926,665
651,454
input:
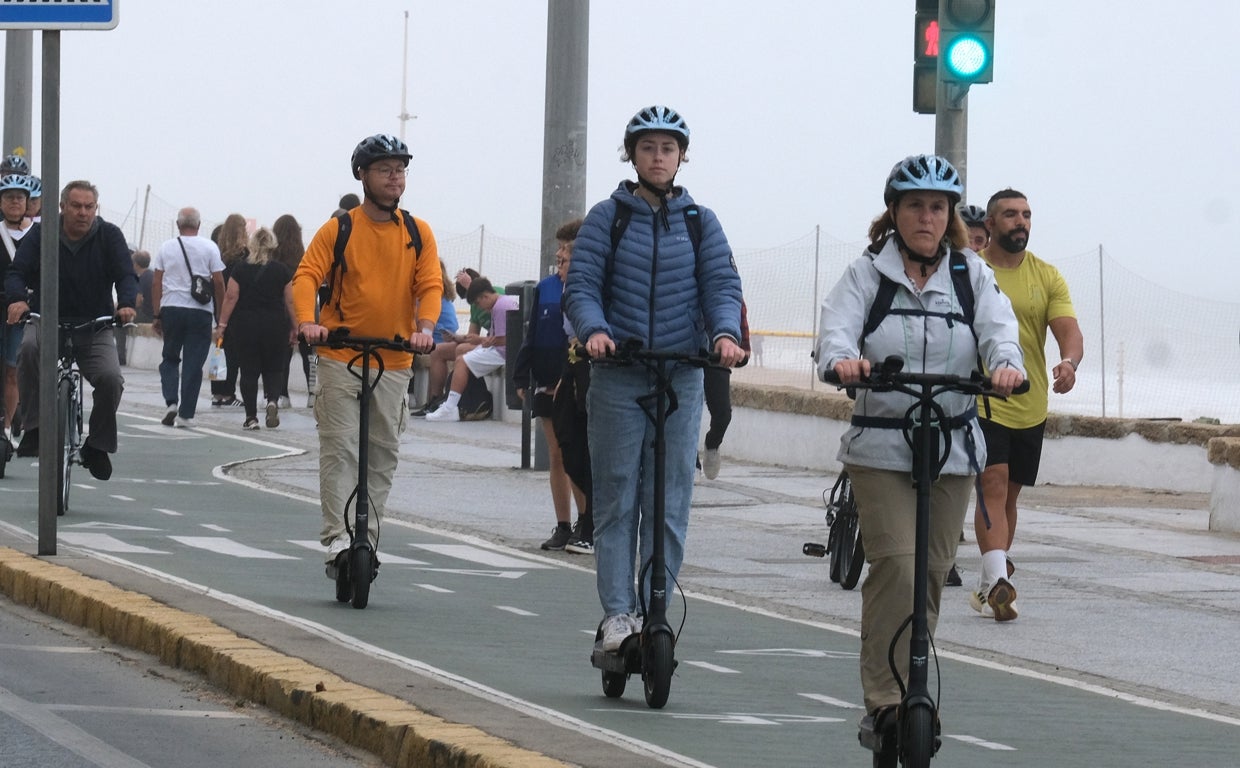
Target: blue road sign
x,y
58,14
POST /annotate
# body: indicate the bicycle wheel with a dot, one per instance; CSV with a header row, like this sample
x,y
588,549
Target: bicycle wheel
x,y
917,746
64,433
657,664
833,536
361,572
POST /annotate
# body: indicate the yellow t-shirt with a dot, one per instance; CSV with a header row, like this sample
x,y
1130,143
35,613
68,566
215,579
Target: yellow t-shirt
x,y
383,293
1038,294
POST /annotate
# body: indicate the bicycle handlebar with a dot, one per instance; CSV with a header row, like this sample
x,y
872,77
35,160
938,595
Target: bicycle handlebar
x,y
79,324
889,376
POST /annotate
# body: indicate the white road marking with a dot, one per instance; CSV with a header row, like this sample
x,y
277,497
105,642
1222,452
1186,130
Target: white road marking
x,y
60,731
96,524
478,555
515,610
205,714
805,653
981,742
478,572
433,588
713,667
214,527
47,648
169,512
229,547
384,557
102,542
119,497
831,701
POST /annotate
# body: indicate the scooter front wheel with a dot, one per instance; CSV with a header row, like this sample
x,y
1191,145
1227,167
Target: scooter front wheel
x,y
613,684
918,744
361,573
344,587
657,664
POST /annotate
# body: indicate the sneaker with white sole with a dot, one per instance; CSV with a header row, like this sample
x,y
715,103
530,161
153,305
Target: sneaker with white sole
x,y
170,416
977,601
284,402
184,423
444,412
615,629
1002,600
337,545
273,415
581,542
710,463
560,535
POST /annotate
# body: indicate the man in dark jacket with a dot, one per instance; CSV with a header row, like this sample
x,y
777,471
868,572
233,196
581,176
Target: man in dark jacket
x,y
94,259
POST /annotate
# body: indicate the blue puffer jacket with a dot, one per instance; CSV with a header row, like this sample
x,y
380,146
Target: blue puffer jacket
x,y
651,294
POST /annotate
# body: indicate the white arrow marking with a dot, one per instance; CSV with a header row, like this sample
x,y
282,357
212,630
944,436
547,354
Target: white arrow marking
x,y
981,743
229,547
477,555
832,702
713,667
105,543
384,557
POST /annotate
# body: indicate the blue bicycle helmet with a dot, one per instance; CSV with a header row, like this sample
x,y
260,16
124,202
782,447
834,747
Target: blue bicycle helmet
x,y
15,164
926,173
656,118
973,215
36,186
16,181
378,147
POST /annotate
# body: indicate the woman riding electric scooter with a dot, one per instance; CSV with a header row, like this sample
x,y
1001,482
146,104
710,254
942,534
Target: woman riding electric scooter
x,y
648,265
901,298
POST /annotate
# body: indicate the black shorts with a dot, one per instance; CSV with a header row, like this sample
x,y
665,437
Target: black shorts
x,y
542,407
1020,449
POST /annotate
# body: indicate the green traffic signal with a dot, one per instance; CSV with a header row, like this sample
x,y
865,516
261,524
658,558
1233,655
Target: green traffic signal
x,y
966,57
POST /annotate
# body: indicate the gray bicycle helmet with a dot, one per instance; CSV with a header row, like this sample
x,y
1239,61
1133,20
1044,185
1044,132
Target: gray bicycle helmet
x,y
15,164
926,173
378,147
973,215
36,186
16,181
657,118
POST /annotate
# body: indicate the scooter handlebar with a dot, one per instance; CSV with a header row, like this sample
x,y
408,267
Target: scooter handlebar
x,y
889,375
340,338
632,351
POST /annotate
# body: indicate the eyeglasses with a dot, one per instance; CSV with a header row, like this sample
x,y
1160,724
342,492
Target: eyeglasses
x,y
390,172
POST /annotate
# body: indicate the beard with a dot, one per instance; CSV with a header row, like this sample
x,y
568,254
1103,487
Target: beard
x,y
1014,241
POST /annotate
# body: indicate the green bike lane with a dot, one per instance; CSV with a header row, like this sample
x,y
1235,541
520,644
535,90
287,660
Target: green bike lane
x,y
512,629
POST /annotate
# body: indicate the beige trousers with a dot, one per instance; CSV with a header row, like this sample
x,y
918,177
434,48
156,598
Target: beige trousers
x,y
886,505
336,409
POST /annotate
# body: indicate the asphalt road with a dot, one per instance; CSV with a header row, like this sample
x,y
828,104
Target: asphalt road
x,y
469,621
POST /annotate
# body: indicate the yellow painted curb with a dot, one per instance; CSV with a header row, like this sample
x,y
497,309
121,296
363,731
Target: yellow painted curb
x,y
392,729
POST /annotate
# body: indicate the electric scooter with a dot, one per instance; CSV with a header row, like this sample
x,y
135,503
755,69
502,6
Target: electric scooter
x,y
915,738
651,652
355,568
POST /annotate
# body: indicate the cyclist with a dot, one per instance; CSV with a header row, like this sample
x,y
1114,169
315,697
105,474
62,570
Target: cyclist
x,y
14,196
94,261
385,288
909,245
974,218
653,288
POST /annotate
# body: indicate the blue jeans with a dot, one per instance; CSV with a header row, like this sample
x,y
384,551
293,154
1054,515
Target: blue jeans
x,y
622,463
187,338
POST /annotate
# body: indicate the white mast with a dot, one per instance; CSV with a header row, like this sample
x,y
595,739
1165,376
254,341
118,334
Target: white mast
x,y
404,115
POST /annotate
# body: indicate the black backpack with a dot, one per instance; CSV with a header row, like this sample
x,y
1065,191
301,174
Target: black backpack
x,y
881,306
476,403
340,266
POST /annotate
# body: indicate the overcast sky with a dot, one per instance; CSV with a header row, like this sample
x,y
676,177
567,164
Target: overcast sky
x,y
1119,120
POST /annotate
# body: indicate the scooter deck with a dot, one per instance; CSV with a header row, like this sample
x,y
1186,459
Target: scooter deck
x,y
626,659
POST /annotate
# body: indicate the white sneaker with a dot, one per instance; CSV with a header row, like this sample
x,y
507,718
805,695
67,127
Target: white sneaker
x,y
710,463
170,416
615,630
338,545
977,601
184,423
284,402
444,412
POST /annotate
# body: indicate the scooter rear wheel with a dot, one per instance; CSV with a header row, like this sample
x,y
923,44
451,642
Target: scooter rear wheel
x,y
344,587
917,746
657,664
361,572
613,684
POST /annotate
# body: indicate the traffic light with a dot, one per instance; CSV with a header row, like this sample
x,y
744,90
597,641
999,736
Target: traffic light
x,y
967,41
926,57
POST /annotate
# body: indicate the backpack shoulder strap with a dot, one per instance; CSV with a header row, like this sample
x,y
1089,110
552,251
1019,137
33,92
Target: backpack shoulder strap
x,y
415,234
339,265
693,222
619,223
959,270
880,307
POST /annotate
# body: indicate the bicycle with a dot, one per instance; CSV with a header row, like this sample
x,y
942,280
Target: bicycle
x,y
915,738
360,565
844,545
69,420
651,652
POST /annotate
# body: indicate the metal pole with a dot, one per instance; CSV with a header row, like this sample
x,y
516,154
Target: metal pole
x,y
564,137
146,204
404,82
813,374
1102,329
951,128
18,89
49,296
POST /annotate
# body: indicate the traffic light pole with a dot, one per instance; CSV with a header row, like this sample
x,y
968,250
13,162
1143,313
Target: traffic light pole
x,y
951,127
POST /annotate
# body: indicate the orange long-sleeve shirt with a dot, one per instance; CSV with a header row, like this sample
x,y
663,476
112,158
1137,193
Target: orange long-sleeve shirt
x,y
384,292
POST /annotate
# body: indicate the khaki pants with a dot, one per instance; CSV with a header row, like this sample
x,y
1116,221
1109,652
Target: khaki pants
x,y
337,412
886,505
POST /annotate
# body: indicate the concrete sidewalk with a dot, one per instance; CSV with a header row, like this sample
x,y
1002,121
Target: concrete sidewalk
x,y
1120,589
